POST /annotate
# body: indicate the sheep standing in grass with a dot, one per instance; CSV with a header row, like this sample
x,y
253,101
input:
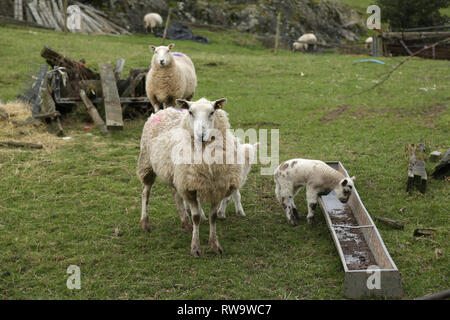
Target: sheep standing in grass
x,y
369,43
248,152
152,20
319,179
305,42
171,76
164,135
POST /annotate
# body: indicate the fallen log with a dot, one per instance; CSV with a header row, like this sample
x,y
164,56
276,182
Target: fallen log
x,y
436,296
95,116
21,144
424,232
393,223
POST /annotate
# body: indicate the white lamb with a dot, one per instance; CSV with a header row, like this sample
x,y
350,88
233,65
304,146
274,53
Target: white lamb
x,y
163,135
152,20
248,151
319,179
369,43
304,42
171,76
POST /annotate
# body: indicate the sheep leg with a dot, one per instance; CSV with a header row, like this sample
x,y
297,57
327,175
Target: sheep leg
x,y
196,250
285,195
184,216
202,213
213,240
155,103
237,203
146,188
311,199
223,207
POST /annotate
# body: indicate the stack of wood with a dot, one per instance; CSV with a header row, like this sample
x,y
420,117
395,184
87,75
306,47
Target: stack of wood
x,y
65,83
51,14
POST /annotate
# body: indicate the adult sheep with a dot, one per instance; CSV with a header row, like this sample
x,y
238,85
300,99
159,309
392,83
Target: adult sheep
x,y
164,135
152,20
171,76
305,42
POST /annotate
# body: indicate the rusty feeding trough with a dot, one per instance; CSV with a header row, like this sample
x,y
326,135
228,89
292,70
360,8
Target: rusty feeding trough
x,y
369,269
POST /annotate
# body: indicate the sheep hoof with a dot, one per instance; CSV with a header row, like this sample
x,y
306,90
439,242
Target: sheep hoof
x,y
203,218
216,248
292,222
145,226
196,252
311,220
241,213
221,215
295,213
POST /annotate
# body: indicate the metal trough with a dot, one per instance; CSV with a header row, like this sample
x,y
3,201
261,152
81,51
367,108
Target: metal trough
x,y
369,269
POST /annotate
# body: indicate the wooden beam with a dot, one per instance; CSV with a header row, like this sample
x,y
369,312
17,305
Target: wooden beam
x,y
21,144
93,113
415,35
166,26
277,33
113,110
118,68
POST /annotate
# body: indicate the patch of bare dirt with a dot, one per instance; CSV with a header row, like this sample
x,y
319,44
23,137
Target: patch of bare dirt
x,y
334,114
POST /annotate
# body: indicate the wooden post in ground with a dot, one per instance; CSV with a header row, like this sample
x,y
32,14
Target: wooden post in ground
x,y
113,109
166,26
277,35
92,110
65,15
18,10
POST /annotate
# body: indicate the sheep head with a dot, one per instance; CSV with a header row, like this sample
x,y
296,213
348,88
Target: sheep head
x,y
344,189
202,113
162,55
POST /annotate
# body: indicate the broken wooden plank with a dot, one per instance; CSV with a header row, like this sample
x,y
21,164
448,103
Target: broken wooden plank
x,y
406,47
441,295
18,10
21,144
424,232
57,14
131,90
49,15
118,68
107,22
416,167
33,8
416,35
92,110
113,109
393,223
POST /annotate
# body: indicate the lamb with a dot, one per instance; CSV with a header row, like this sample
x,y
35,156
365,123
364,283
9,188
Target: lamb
x,y
152,20
304,42
369,43
164,135
248,151
171,76
319,179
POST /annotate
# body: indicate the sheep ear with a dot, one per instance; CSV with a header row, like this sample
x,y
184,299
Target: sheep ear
x,y
184,104
152,48
344,182
220,103
353,178
171,46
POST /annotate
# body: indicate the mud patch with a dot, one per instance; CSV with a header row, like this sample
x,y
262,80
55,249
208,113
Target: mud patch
x,y
334,114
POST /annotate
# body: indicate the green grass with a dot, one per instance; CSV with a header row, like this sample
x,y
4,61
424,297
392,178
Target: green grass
x,y
61,208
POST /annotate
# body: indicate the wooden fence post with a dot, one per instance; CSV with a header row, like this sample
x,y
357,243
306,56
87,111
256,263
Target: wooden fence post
x,y
166,26
277,35
65,15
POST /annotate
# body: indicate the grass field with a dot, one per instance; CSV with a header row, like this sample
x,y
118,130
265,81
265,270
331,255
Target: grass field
x,y
61,208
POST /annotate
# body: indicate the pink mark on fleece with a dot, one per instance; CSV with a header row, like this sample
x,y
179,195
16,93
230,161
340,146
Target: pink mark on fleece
x,y
157,118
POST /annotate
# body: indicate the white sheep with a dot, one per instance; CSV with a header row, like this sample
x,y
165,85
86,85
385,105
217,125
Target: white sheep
x,y
369,43
164,135
152,20
319,179
171,76
248,151
304,42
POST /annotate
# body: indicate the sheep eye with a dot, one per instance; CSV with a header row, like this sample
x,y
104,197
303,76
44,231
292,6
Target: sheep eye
x,y
350,187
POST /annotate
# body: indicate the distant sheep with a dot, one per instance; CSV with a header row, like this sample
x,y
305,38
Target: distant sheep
x,y
319,179
170,129
369,44
152,20
171,76
305,42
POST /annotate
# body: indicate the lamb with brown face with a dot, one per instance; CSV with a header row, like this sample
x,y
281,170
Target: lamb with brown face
x,y
318,178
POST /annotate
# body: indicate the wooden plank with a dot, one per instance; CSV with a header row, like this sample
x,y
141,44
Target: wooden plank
x,y
406,47
18,10
20,144
57,14
415,35
92,110
416,167
50,15
118,68
34,12
113,110
114,26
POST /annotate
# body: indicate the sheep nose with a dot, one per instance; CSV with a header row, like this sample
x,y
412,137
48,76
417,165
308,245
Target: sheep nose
x,y
161,62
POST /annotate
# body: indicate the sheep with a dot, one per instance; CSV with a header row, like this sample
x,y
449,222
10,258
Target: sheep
x,y
248,151
304,42
152,20
196,126
369,43
319,179
171,76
